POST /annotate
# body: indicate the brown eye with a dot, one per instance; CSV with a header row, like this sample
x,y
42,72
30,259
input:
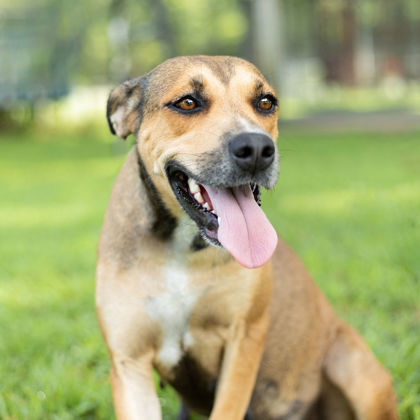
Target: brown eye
x,y
186,104
265,104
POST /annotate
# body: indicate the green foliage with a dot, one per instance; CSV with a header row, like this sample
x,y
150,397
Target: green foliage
x,y
347,203
92,41
206,26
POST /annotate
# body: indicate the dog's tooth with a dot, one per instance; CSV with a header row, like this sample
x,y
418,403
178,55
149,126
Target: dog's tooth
x,y
214,212
193,186
206,206
199,197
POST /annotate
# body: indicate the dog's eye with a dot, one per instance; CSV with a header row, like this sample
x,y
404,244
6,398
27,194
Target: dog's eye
x,y
266,103
188,103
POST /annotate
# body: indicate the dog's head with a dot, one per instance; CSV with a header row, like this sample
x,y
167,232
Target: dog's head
x,y
206,130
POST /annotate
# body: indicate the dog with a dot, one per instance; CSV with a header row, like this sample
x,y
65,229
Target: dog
x,y
192,280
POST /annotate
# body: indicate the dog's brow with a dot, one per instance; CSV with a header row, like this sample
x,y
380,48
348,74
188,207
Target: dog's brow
x,y
197,83
259,86
262,88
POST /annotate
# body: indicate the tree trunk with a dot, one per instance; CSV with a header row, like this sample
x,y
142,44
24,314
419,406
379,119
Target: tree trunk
x,y
164,30
268,34
347,73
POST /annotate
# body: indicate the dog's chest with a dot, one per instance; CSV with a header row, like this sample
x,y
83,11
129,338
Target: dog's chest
x,y
172,310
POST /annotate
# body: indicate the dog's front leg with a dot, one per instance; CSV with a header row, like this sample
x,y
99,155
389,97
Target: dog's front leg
x,y
133,389
239,369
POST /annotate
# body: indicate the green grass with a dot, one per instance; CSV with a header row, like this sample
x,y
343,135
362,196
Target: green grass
x,y
349,205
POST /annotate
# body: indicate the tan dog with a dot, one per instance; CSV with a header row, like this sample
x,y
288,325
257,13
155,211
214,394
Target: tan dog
x,y
183,227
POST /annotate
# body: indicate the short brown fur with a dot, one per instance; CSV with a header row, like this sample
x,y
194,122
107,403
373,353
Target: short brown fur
x,y
265,338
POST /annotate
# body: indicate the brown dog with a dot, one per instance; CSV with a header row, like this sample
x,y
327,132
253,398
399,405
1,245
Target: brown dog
x,y
183,227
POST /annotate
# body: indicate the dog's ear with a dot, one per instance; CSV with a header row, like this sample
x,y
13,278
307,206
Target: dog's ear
x,y
123,109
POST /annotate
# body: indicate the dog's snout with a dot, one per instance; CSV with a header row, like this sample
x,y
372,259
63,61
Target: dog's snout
x,y
252,152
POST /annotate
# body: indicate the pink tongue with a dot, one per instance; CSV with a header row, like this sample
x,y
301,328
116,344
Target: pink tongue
x,y
244,229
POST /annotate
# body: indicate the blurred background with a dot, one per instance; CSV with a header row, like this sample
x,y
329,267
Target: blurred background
x,y
320,54
348,199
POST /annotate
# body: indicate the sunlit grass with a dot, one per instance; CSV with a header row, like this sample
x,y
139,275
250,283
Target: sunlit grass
x,y
348,204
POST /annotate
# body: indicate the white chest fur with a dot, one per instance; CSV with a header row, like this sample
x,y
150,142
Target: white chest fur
x,y
172,311
173,307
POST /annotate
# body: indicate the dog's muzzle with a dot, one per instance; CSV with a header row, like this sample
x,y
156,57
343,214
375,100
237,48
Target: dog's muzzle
x,y
223,197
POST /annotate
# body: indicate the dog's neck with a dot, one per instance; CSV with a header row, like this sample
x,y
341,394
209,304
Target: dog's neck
x,y
182,233
164,222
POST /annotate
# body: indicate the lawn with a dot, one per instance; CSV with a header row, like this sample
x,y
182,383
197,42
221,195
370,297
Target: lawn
x,y
348,203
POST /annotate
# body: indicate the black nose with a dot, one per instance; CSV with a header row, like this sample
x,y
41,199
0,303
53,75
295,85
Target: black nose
x,y
252,152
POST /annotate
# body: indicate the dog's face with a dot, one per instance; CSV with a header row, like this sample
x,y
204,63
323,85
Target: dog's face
x,y
205,129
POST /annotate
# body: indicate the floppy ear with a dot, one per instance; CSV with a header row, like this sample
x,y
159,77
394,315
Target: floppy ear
x,y
123,109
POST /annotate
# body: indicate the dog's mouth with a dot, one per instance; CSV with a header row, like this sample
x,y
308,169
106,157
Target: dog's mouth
x,y
226,216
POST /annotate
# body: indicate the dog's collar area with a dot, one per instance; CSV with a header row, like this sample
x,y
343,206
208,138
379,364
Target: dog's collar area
x,y
164,222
